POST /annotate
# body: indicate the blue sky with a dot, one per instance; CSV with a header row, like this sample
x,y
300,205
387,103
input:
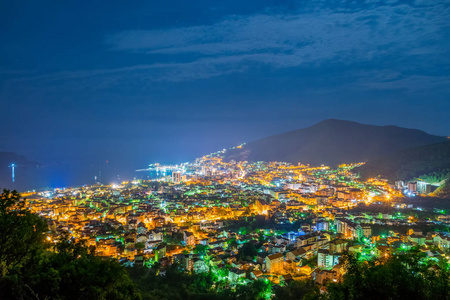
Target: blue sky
x,y
142,81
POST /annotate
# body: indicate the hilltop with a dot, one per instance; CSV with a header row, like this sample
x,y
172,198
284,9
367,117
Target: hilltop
x,y
333,142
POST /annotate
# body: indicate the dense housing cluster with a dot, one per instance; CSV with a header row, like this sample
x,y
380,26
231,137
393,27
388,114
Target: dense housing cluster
x,y
243,221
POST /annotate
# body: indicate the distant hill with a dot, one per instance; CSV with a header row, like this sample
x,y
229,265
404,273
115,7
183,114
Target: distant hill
x,y
410,163
333,142
8,158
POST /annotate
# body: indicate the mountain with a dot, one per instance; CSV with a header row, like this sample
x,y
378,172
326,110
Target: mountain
x,y
333,142
430,163
8,158
415,162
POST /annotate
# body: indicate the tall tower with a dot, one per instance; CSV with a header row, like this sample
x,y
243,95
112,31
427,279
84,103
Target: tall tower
x,y
13,175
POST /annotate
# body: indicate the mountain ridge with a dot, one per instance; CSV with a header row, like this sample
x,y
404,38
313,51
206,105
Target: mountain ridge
x,y
8,158
333,142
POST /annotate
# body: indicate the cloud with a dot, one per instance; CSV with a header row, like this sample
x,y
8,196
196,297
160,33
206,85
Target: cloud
x,y
300,39
415,84
407,37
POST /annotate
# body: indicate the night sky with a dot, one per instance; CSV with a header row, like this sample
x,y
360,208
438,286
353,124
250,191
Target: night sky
x,y
136,82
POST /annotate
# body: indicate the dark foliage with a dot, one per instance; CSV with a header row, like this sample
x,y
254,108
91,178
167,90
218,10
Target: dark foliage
x,y
175,283
248,251
401,277
297,290
21,232
433,160
30,270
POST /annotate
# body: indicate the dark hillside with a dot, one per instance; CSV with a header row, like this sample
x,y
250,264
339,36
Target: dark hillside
x,y
333,142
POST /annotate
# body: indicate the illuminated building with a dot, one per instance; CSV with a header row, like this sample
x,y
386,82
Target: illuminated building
x,y
176,177
274,263
325,259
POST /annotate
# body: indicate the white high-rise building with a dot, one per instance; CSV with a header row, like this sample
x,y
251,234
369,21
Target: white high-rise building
x,y
176,177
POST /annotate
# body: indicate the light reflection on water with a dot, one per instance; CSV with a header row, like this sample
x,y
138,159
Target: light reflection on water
x,y
34,177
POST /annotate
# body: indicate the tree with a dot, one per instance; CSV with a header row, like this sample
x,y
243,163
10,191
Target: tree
x,y
401,277
262,239
296,290
71,272
257,289
176,238
248,250
174,284
140,247
85,276
21,232
201,249
232,243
